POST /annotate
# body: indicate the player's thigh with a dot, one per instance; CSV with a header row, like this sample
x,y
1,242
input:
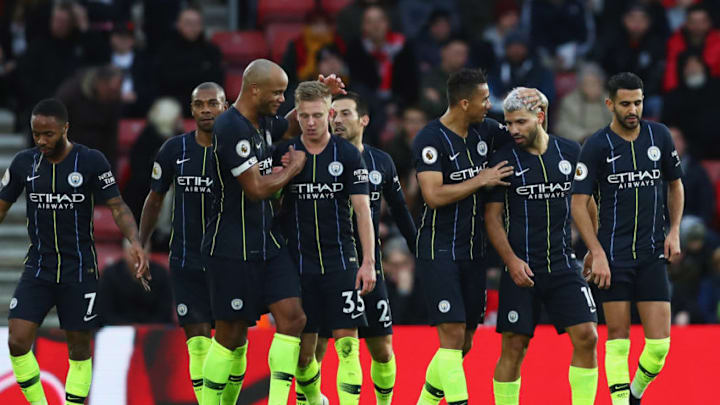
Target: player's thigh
x,y
377,311
191,291
568,300
655,318
32,300
474,291
77,305
518,308
652,282
281,279
343,306
442,291
235,293
622,285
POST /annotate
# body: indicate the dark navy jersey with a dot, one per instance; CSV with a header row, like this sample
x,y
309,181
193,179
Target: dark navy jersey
x,y
316,218
627,178
455,231
186,165
239,228
384,183
537,203
59,203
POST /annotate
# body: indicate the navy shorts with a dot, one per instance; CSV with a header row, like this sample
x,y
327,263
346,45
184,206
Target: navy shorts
x,y
331,301
565,295
75,302
191,290
646,281
454,290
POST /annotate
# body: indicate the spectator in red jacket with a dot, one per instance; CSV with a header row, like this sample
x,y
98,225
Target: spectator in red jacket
x,y
699,35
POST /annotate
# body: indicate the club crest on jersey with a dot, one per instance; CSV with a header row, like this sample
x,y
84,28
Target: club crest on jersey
x,y
335,168
581,171
156,171
5,178
243,148
75,179
482,148
182,309
375,177
565,167
653,153
429,155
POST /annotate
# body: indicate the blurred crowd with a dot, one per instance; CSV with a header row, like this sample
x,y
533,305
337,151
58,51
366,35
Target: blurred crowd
x,y
112,60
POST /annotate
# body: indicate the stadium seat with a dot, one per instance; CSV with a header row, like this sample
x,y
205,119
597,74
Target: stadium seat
x,y
189,125
283,10
128,132
713,169
105,228
278,35
332,7
108,253
233,84
240,47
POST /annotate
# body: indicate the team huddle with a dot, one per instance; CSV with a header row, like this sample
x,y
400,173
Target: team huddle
x,y
281,215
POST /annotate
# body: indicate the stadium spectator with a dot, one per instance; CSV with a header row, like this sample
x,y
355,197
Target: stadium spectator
x,y
696,182
583,111
187,59
454,56
400,149
613,11
123,300
429,41
693,106
507,17
93,100
699,35
349,19
709,295
137,85
159,22
677,13
561,30
406,300
519,68
163,122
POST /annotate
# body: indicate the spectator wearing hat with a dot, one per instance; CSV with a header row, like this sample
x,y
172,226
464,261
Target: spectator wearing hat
x,y
137,86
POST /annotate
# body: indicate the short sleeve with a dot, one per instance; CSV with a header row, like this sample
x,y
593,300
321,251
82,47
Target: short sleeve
x,y
104,186
392,188
234,147
427,152
12,182
163,170
587,168
671,165
355,172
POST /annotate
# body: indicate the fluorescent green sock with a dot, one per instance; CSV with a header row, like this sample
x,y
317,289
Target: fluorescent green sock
x,y
27,374
651,362
349,374
197,350
282,359
617,370
506,393
452,376
216,372
308,380
77,383
237,375
583,385
383,376
432,392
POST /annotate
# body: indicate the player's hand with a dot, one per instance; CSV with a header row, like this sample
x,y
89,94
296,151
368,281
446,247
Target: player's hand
x,y
600,271
672,245
493,176
534,97
295,160
142,269
587,266
334,83
365,278
520,273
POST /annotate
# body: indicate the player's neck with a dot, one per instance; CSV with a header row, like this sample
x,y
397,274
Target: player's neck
x,y
203,138
456,121
357,142
315,146
541,143
248,111
625,133
62,154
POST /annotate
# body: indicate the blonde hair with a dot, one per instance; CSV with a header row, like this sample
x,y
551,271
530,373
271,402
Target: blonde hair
x,y
312,91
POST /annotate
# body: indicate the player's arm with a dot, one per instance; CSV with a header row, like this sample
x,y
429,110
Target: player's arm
x,y
125,220
11,186
676,203
150,214
259,187
336,86
583,220
436,194
4,207
519,270
161,178
398,209
366,273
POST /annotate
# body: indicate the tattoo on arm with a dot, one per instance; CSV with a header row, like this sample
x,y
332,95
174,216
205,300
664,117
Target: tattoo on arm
x,y
123,218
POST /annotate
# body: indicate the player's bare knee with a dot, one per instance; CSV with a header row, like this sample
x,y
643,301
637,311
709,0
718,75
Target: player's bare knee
x,y
18,343
514,347
585,339
618,332
197,329
452,336
382,352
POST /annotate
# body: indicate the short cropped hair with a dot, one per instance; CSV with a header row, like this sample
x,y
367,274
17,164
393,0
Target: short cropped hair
x,y
51,107
515,102
461,84
312,91
625,81
360,104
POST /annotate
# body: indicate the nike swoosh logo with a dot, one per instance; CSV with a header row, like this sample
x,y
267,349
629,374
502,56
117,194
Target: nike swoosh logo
x,y
520,173
593,310
258,145
181,161
610,160
387,324
355,316
89,318
453,157
32,178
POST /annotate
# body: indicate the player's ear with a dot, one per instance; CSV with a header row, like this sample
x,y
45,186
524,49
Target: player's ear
x,y
464,103
331,113
365,120
609,104
541,116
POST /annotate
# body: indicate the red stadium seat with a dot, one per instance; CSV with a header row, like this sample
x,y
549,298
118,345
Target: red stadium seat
x,y
189,125
233,84
108,253
105,228
241,47
128,132
713,169
332,7
278,35
283,10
